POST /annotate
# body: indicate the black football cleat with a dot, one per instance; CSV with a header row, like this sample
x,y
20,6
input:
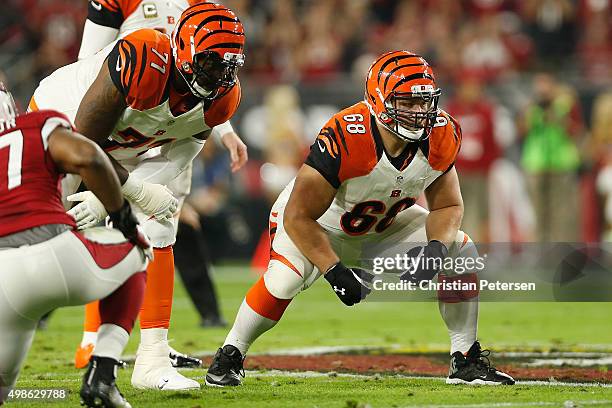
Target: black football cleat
x,y
226,368
180,360
99,388
475,368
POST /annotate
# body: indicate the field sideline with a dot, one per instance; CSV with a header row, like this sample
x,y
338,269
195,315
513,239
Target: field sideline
x,y
350,338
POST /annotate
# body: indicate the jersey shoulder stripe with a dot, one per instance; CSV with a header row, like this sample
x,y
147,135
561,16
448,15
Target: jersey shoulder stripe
x,y
140,66
353,126
444,142
345,147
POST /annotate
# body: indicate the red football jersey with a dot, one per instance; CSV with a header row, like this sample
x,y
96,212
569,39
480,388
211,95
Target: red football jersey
x,y
30,191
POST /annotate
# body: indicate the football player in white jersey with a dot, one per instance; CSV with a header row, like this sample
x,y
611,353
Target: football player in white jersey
x,y
108,20
358,189
142,92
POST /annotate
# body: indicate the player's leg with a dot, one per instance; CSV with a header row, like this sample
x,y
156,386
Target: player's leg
x,y
459,309
192,261
289,272
91,325
16,331
100,264
153,368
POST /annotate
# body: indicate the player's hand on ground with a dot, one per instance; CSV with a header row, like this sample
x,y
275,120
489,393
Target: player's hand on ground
x,y
125,221
349,284
88,212
426,261
237,150
155,200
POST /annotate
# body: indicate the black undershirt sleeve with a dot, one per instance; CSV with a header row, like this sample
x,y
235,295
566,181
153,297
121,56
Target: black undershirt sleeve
x,y
325,157
99,14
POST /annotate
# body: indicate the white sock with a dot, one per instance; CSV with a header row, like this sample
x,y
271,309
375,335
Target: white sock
x,y
149,337
249,325
89,338
112,340
462,322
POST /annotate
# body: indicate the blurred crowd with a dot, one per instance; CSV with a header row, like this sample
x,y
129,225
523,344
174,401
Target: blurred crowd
x,y
530,82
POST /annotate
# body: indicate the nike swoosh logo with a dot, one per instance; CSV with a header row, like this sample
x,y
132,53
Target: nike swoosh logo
x,y
321,146
95,5
118,67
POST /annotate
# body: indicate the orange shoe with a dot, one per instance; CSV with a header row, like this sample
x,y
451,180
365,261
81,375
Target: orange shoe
x,y
82,355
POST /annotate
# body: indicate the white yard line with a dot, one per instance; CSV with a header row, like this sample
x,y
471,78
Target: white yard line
x,y
574,362
316,374
395,348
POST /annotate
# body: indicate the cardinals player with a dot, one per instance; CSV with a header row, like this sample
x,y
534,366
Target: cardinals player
x,y
359,186
48,264
142,92
108,20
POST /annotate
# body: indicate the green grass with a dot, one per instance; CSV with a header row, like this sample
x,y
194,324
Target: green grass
x,y
317,318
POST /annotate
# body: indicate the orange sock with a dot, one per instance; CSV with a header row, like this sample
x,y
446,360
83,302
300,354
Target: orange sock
x,y
157,304
92,316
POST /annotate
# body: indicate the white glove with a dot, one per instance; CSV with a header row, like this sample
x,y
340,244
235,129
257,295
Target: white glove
x,y
154,200
89,212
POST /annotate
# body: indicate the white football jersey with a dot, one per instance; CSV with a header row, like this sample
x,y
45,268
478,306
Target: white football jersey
x,y
372,187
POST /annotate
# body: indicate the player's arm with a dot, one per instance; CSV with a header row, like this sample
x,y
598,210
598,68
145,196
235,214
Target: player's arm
x,y
99,111
311,197
101,28
232,142
444,219
73,153
445,208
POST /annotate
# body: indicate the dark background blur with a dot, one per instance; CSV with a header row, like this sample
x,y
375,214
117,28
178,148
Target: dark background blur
x,y
529,81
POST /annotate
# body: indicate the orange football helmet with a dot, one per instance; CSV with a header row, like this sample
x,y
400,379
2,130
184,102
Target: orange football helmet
x,y
401,92
208,44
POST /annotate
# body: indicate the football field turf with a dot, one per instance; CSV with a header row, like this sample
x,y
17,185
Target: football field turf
x,y
377,354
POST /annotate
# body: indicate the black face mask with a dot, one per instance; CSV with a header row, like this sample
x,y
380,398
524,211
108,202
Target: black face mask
x,y
212,72
412,120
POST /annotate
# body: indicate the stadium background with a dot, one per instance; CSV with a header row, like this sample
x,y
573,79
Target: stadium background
x,y
494,59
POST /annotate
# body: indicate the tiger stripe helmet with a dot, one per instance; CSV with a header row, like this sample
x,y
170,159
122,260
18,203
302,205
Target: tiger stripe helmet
x,y
402,94
208,44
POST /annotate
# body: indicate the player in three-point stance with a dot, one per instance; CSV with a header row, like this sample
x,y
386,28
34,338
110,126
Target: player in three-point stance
x,y
358,189
151,101
46,263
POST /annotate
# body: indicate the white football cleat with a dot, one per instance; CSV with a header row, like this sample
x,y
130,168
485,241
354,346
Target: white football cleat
x,y
153,369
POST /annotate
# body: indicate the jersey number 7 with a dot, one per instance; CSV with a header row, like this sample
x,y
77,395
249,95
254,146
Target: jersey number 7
x,y
14,142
